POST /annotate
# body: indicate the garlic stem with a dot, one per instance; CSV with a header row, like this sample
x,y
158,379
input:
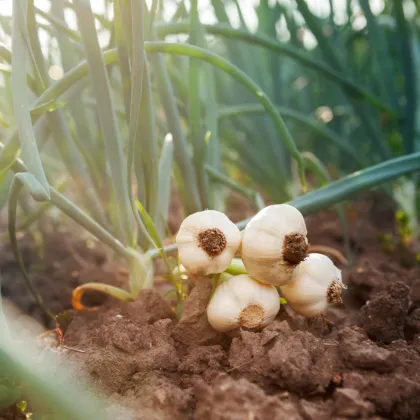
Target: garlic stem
x,y
236,267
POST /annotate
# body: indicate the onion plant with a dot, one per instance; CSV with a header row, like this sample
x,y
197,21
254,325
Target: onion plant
x,y
136,99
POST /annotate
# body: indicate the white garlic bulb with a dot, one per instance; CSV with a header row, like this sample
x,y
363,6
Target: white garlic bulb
x,y
315,284
242,301
273,243
207,241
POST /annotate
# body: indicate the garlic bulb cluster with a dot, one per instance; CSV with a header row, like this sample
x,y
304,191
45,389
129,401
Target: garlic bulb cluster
x,y
273,243
242,301
316,283
274,252
207,241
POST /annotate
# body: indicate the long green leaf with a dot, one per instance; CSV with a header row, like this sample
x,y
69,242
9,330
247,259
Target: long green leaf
x,y
408,69
194,105
189,190
157,243
332,55
319,169
354,183
351,88
110,56
342,144
37,191
342,189
47,383
165,175
84,136
60,130
241,77
123,52
76,214
21,103
146,150
108,120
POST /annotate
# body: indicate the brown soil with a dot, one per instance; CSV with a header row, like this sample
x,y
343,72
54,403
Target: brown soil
x,y
362,362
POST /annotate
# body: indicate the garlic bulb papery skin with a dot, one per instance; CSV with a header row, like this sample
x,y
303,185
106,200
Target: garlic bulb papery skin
x,y
207,241
273,243
242,301
315,284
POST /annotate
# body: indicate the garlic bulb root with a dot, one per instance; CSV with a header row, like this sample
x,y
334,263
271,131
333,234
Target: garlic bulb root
x,y
242,301
273,243
212,241
207,241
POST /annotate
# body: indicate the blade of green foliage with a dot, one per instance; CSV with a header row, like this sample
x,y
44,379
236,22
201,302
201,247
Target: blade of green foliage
x,y
7,70
194,105
217,195
352,89
189,187
47,383
164,190
76,214
318,168
59,128
21,106
42,208
152,15
59,22
157,243
142,150
241,77
410,85
342,189
247,192
25,9
37,191
335,61
108,121
313,125
123,52
382,67
69,59
146,150
6,181
352,184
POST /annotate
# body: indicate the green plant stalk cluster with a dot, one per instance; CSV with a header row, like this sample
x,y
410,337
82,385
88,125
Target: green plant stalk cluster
x,y
170,128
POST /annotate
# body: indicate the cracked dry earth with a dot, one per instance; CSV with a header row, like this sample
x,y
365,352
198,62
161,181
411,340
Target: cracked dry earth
x,y
363,363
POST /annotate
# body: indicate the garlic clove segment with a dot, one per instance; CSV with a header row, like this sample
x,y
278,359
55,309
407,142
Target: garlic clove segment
x,y
273,243
242,301
316,283
207,241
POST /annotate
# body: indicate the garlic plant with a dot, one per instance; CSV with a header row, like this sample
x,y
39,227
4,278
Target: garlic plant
x,y
242,301
207,241
273,243
316,283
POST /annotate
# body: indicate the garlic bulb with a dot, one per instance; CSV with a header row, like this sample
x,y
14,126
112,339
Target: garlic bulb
x,y
273,243
315,284
242,301
207,241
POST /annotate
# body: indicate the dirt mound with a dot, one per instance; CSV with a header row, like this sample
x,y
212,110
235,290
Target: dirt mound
x,y
146,363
